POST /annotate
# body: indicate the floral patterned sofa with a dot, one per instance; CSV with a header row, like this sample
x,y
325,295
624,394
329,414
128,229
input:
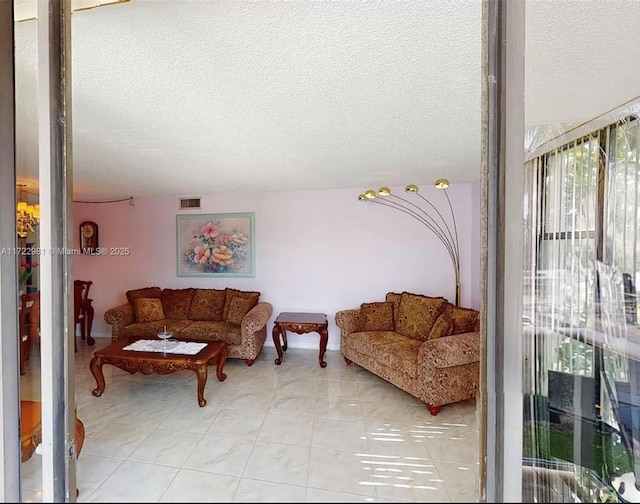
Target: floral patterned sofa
x,y
426,346
236,317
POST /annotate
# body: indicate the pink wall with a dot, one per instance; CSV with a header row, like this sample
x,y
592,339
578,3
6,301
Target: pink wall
x,y
318,251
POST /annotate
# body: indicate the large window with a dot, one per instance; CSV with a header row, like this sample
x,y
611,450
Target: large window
x,y
582,342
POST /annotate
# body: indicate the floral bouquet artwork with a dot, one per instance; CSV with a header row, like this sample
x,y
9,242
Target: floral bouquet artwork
x,y
216,245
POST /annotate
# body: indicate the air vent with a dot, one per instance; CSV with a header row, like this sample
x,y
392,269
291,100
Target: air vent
x,y
189,203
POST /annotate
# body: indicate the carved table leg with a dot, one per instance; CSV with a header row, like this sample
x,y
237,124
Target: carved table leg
x,y
89,321
96,370
201,373
284,340
324,337
222,358
276,341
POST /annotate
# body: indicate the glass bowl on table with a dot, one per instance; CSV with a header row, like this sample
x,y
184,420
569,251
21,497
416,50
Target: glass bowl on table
x,y
165,336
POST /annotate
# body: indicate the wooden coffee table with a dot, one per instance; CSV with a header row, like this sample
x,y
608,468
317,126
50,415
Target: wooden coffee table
x,y
160,363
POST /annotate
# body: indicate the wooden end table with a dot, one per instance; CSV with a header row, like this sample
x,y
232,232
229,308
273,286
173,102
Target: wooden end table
x,y
158,362
300,323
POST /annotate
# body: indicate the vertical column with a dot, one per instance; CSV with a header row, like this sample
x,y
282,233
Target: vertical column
x,y
9,348
503,193
56,189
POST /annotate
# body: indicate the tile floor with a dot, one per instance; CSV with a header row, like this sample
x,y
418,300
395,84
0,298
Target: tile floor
x,y
289,433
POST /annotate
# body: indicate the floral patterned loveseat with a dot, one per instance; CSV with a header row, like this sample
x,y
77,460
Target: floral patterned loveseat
x,y
236,317
426,346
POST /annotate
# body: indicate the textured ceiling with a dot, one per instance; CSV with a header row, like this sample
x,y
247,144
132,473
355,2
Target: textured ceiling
x,y
28,9
195,97
198,97
581,60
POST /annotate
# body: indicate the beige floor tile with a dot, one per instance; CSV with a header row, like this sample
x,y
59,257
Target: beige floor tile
x,y
333,434
295,430
134,482
264,491
341,471
195,486
166,447
220,455
278,463
289,433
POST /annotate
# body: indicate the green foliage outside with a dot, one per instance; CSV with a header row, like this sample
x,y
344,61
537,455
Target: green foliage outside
x,y
554,442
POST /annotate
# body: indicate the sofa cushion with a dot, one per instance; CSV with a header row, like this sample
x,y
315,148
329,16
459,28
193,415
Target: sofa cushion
x,y
442,327
231,293
464,319
239,307
388,348
401,355
417,314
376,316
176,303
394,297
148,309
212,330
207,304
147,292
370,342
149,330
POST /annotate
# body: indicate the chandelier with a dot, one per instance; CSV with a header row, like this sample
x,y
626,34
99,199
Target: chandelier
x,y
429,216
27,216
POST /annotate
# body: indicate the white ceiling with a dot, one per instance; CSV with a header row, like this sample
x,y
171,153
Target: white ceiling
x,y
194,97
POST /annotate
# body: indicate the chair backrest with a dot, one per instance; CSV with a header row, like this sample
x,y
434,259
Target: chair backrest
x,y
30,313
85,285
78,300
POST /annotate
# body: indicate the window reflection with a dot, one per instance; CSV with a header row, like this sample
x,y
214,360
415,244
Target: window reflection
x,y
581,334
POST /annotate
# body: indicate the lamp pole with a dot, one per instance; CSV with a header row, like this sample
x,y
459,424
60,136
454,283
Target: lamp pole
x,y
437,224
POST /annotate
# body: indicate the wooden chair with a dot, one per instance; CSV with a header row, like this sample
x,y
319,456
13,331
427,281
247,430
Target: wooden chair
x,y
31,430
29,325
82,310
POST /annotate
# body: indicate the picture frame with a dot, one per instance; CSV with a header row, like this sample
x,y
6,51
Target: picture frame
x,y
215,245
89,237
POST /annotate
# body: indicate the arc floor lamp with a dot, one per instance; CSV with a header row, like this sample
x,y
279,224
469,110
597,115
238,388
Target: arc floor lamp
x,y
429,216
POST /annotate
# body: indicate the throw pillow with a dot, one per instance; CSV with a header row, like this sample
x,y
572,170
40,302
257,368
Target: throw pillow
x,y
417,314
238,309
176,303
147,292
394,297
464,319
442,327
231,293
376,316
148,309
207,304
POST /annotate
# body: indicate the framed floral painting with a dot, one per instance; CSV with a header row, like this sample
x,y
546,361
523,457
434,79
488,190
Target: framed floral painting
x,y
216,245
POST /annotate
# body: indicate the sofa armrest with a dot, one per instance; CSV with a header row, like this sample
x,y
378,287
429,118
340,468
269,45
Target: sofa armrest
x,y
255,319
348,321
119,317
450,351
